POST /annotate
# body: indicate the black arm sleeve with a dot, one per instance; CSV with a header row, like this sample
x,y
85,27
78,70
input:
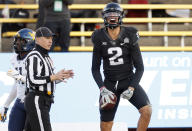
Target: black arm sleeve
x,y
96,63
138,64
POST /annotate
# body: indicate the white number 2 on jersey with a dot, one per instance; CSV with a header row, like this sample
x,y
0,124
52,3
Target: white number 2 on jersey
x,y
117,52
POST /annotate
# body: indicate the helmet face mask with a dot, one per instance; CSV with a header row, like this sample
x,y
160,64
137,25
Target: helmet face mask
x,y
112,15
20,44
112,18
24,41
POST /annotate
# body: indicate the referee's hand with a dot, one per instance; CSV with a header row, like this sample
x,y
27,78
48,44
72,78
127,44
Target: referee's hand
x,y
68,74
62,75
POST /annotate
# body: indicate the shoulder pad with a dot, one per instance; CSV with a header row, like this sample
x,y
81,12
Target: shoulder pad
x,y
134,35
95,36
13,58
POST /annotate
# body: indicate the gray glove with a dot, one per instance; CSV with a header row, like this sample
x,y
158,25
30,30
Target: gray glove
x,y
127,94
15,74
106,95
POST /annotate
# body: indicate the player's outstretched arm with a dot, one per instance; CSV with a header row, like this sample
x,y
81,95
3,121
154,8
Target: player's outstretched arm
x,y
11,97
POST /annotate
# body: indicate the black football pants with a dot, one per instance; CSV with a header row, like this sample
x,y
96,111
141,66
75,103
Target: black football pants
x,y
37,109
139,98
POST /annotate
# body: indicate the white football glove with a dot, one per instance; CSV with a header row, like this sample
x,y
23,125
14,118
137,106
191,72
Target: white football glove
x,y
15,74
106,95
3,114
127,94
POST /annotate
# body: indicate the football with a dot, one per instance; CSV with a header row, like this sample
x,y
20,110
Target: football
x,y
108,106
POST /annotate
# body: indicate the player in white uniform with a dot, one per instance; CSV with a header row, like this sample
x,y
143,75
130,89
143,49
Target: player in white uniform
x,y
23,44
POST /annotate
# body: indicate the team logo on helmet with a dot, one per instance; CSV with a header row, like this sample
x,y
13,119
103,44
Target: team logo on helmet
x,y
24,40
32,34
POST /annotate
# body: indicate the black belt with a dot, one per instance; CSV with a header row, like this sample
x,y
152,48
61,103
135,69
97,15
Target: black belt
x,y
40,93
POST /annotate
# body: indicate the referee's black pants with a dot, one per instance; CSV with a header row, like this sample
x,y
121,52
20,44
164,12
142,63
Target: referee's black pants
x,y
37,108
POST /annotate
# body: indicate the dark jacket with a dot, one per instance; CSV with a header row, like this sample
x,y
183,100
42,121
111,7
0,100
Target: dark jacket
x,y
50,14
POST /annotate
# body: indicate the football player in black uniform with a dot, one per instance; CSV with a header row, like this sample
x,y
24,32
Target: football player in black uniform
x,y
123,67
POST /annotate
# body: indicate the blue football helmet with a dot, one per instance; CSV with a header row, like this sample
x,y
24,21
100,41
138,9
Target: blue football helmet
x,y
24,40
110,13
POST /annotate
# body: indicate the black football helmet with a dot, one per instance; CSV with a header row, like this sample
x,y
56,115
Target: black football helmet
x,y
110,13
24,40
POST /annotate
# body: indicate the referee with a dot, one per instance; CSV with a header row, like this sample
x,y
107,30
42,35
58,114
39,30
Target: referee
x,y
41,82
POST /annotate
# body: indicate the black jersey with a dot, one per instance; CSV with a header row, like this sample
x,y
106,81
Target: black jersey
x,y
119,56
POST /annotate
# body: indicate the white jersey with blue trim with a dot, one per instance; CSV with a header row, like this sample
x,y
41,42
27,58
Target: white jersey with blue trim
x,y
19,65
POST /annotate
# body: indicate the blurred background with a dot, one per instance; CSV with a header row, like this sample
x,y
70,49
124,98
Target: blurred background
x,y
165,28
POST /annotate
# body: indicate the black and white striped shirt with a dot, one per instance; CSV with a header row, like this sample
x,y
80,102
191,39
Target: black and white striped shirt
x,y
39,68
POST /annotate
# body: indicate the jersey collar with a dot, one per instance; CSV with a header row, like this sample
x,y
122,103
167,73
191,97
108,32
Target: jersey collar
x,y
119,36
42,50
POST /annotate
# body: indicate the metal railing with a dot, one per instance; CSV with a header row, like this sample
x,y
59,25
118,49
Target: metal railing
x,y
84,34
